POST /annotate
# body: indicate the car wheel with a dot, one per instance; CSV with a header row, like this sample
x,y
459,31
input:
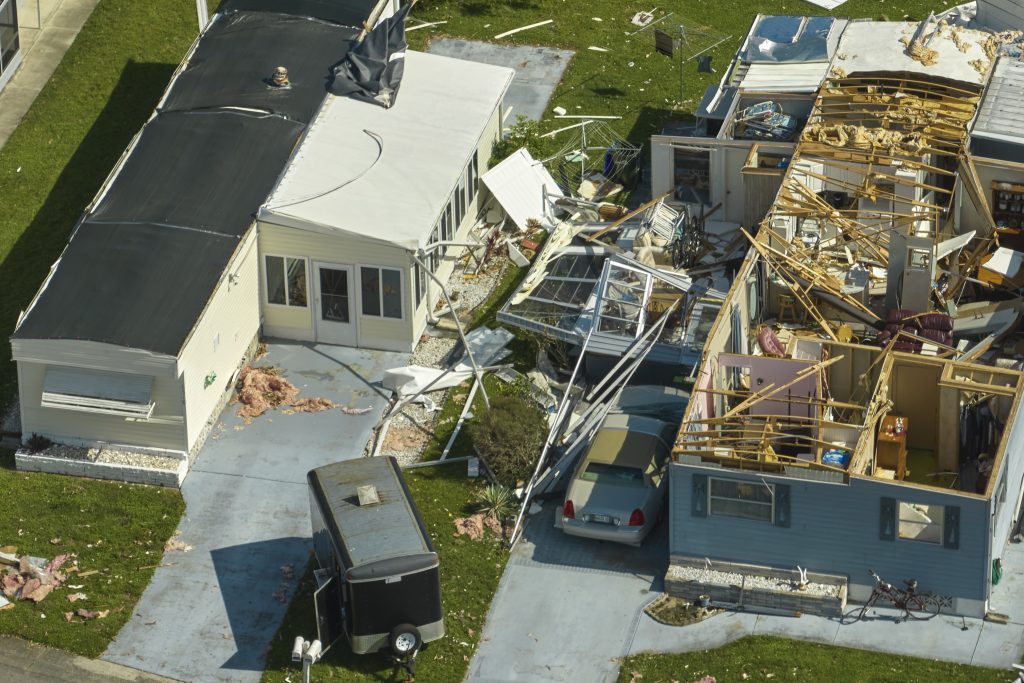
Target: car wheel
x,y
405,640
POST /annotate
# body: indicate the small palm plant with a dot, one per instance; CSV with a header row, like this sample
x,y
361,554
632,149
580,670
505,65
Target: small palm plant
x,y
497,501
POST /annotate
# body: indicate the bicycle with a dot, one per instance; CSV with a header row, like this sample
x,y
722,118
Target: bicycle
x,y
917,606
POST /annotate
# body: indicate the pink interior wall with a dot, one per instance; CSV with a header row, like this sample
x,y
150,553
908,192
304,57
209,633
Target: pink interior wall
x,y
776,371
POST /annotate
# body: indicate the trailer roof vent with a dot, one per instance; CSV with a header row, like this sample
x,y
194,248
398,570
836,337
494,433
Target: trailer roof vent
x,y
367,495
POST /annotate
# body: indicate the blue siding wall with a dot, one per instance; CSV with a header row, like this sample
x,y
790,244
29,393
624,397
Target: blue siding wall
x,y
835,528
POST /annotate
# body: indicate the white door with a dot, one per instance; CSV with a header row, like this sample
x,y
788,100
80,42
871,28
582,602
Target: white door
x,y
335,319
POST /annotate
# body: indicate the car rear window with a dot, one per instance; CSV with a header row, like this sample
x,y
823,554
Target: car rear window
x,y
601,473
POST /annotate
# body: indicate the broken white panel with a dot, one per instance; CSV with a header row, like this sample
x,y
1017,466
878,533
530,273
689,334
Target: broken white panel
x,y
521,184
827,4
488,348
412,379
1005,262
947,247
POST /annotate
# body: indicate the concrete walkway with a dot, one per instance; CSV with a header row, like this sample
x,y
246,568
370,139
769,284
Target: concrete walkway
x,y
538,71
209,614
568,609
25,662
42,48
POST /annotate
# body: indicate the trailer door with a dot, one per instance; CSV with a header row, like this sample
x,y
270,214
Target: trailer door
x,y
329,621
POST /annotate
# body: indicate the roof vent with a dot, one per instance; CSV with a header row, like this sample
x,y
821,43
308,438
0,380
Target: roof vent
x,y
367,495
279,79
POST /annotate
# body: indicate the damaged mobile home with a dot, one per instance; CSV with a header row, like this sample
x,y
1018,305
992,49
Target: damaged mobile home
x,y
253,200
857,406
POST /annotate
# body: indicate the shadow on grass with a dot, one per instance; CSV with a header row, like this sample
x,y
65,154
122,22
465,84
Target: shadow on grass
x,y
137,91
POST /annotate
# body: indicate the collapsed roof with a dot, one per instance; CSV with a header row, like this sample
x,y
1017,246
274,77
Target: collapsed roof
x,y
882,301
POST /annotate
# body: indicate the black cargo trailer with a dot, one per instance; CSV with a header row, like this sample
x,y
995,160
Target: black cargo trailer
x,y
378,583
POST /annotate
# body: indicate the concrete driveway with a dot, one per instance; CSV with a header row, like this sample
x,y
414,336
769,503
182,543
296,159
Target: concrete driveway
x,y
567,608
209,614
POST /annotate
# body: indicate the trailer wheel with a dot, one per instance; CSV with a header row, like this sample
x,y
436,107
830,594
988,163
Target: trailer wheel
x,y
405,640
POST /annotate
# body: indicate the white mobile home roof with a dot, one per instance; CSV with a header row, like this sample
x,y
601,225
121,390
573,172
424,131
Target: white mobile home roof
x,y
784,76
1001,114
874,46
386,174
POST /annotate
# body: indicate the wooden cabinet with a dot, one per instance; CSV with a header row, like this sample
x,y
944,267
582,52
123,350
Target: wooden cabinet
x,y
891,447
1008,204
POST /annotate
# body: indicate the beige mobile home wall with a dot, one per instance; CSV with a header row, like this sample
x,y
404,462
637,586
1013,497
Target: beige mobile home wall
x,y
219,341
323,245
292,322
166,428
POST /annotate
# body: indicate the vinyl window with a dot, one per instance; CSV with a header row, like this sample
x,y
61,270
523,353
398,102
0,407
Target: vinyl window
x,y
381,292
919,522
744,499
286,281
473,177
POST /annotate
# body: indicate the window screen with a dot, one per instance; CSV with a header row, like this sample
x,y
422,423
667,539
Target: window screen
x,y
749,500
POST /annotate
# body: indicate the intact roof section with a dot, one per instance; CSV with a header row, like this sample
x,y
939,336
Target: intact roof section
x,y
784,77
1001,114
231,66
140,286
881,47
203,170
386,174
344,12
370,533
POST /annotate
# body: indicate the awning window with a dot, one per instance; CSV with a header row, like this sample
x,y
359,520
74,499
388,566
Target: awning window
x,y
96,391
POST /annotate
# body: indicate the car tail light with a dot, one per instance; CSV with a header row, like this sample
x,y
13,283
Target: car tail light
x,y
568,511
637,518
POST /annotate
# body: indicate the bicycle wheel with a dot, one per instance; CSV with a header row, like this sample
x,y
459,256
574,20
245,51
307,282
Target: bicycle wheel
x,y
921,606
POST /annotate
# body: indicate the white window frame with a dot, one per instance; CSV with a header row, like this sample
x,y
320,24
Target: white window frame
x,y
380,292
940,523
472,178
711,498
266,282
95,402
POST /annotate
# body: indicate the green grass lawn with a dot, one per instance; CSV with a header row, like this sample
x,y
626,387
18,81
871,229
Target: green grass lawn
x,y
53,164
117,529
764,658
469,576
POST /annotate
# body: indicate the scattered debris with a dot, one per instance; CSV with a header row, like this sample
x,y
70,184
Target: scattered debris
x,y
355,411
475,526
260,388
311,405
86,614
524,28
75,597
288,571
175,543
31,578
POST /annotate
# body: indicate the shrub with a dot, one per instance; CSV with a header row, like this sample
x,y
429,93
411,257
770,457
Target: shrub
x,y
495,500
509,437
38,443
523,133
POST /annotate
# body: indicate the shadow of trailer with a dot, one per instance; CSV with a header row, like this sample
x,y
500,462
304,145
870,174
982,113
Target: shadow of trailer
x,y
378,584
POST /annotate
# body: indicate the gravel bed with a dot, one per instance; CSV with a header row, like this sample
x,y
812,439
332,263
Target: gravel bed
x,y
469,293
112,457
434,351
712,576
